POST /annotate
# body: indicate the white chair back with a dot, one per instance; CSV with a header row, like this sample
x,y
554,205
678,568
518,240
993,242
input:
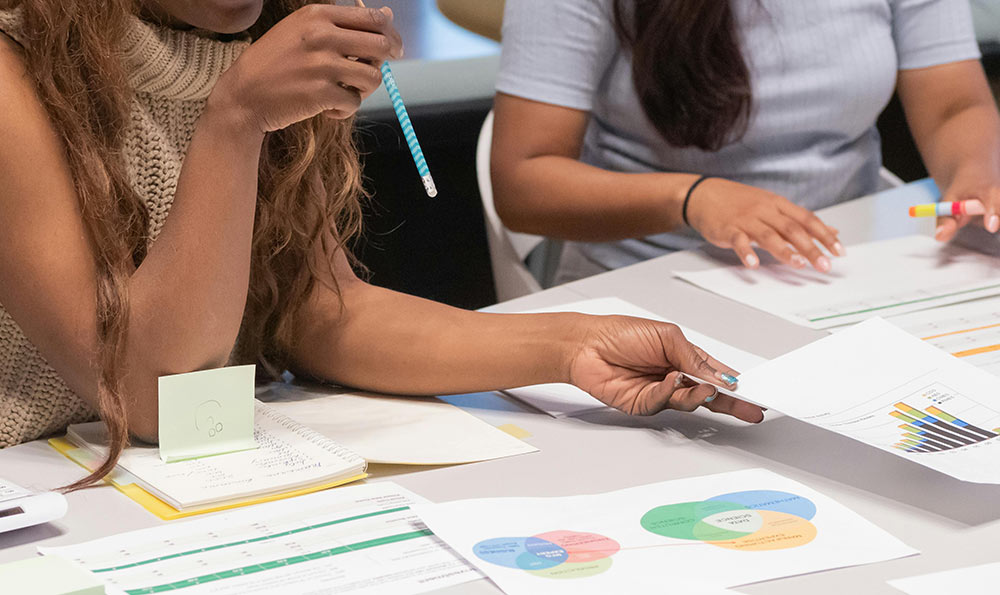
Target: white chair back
x,y
508,249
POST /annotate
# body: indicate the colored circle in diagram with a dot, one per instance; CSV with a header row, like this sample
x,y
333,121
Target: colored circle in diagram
x,y
755,520
556,554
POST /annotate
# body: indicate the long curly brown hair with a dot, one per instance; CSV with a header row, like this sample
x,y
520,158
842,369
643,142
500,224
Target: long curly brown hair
x,y
309,188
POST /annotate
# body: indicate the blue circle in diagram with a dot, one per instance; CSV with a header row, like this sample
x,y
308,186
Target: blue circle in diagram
x,y
771,500
524,553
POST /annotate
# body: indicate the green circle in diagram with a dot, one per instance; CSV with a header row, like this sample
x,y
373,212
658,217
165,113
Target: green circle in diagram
x,y
685,520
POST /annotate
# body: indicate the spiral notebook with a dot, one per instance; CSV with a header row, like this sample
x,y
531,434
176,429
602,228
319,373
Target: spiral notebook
x,y
290,460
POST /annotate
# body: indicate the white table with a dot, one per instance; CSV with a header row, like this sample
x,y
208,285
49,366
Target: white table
x,y
953,523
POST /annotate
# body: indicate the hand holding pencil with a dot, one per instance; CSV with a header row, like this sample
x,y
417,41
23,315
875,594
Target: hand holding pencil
x,y
404,121
301,68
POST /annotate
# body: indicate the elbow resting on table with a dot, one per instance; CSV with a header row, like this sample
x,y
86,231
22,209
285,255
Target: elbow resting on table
x,y
142,386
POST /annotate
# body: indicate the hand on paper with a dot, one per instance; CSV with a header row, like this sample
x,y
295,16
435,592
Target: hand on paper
x,y
984,187
636,365
735,216
322,58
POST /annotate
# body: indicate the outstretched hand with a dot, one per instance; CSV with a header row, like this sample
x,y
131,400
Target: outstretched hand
x,y
638,366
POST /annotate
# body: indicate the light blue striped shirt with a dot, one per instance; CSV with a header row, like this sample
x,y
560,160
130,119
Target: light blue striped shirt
x,y
822,71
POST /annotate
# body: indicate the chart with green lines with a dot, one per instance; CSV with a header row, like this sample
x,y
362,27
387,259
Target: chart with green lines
x,y
338,541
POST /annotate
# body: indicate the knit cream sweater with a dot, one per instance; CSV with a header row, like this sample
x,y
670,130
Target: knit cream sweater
x,y
172,73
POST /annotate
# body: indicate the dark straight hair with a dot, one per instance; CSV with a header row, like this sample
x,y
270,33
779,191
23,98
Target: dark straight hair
x,y
688,69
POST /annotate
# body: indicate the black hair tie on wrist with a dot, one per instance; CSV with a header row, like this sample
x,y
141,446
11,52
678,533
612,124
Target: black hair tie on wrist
x,y
687,198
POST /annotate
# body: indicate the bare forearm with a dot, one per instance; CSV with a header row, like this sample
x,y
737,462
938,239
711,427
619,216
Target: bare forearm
x,y
966,142
564,198
394,343
189,293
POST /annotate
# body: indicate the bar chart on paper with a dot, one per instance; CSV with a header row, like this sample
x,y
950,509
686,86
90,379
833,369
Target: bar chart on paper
x,y
894,392
928,419
970,331
934,430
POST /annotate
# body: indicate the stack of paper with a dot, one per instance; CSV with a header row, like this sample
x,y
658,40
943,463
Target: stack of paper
x,y
290,457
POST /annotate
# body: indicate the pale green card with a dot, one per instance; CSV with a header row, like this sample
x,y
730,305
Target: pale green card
x,y
48,575
206,413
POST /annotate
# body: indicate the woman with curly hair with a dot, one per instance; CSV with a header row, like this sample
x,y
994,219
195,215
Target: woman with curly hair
x,y
178,186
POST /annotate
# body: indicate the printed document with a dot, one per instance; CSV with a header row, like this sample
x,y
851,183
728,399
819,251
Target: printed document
x,y
395,430
877,279
716,531
970,331
361,540
877,384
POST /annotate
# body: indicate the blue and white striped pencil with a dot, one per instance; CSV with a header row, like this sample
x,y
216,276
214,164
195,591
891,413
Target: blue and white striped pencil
x,y
404,122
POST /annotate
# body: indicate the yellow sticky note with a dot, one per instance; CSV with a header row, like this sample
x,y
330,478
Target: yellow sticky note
x,y
206,413
48,575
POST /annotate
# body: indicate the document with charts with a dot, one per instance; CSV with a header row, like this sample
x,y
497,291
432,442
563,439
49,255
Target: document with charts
x,y
883,279
716,531
361,540
882,386
563,400
970,331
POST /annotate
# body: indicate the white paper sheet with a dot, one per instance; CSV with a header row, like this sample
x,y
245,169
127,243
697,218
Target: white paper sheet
x,y
397,430
718,530
360,540
561,400
877,279
970,331
882,386
975,579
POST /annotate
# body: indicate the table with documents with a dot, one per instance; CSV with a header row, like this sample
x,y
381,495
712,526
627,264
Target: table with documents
x,y
954,524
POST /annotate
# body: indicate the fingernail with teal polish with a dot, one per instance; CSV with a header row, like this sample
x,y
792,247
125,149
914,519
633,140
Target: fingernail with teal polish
x,y
728,378
712,398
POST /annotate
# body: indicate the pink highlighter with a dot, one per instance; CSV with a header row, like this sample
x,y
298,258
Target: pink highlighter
x,y
948,209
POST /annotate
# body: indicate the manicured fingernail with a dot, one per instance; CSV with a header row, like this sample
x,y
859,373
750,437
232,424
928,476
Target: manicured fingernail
x,y
994,224
752,261
711,397
939,232
823,264
728,378
799,261
838,249
679,380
